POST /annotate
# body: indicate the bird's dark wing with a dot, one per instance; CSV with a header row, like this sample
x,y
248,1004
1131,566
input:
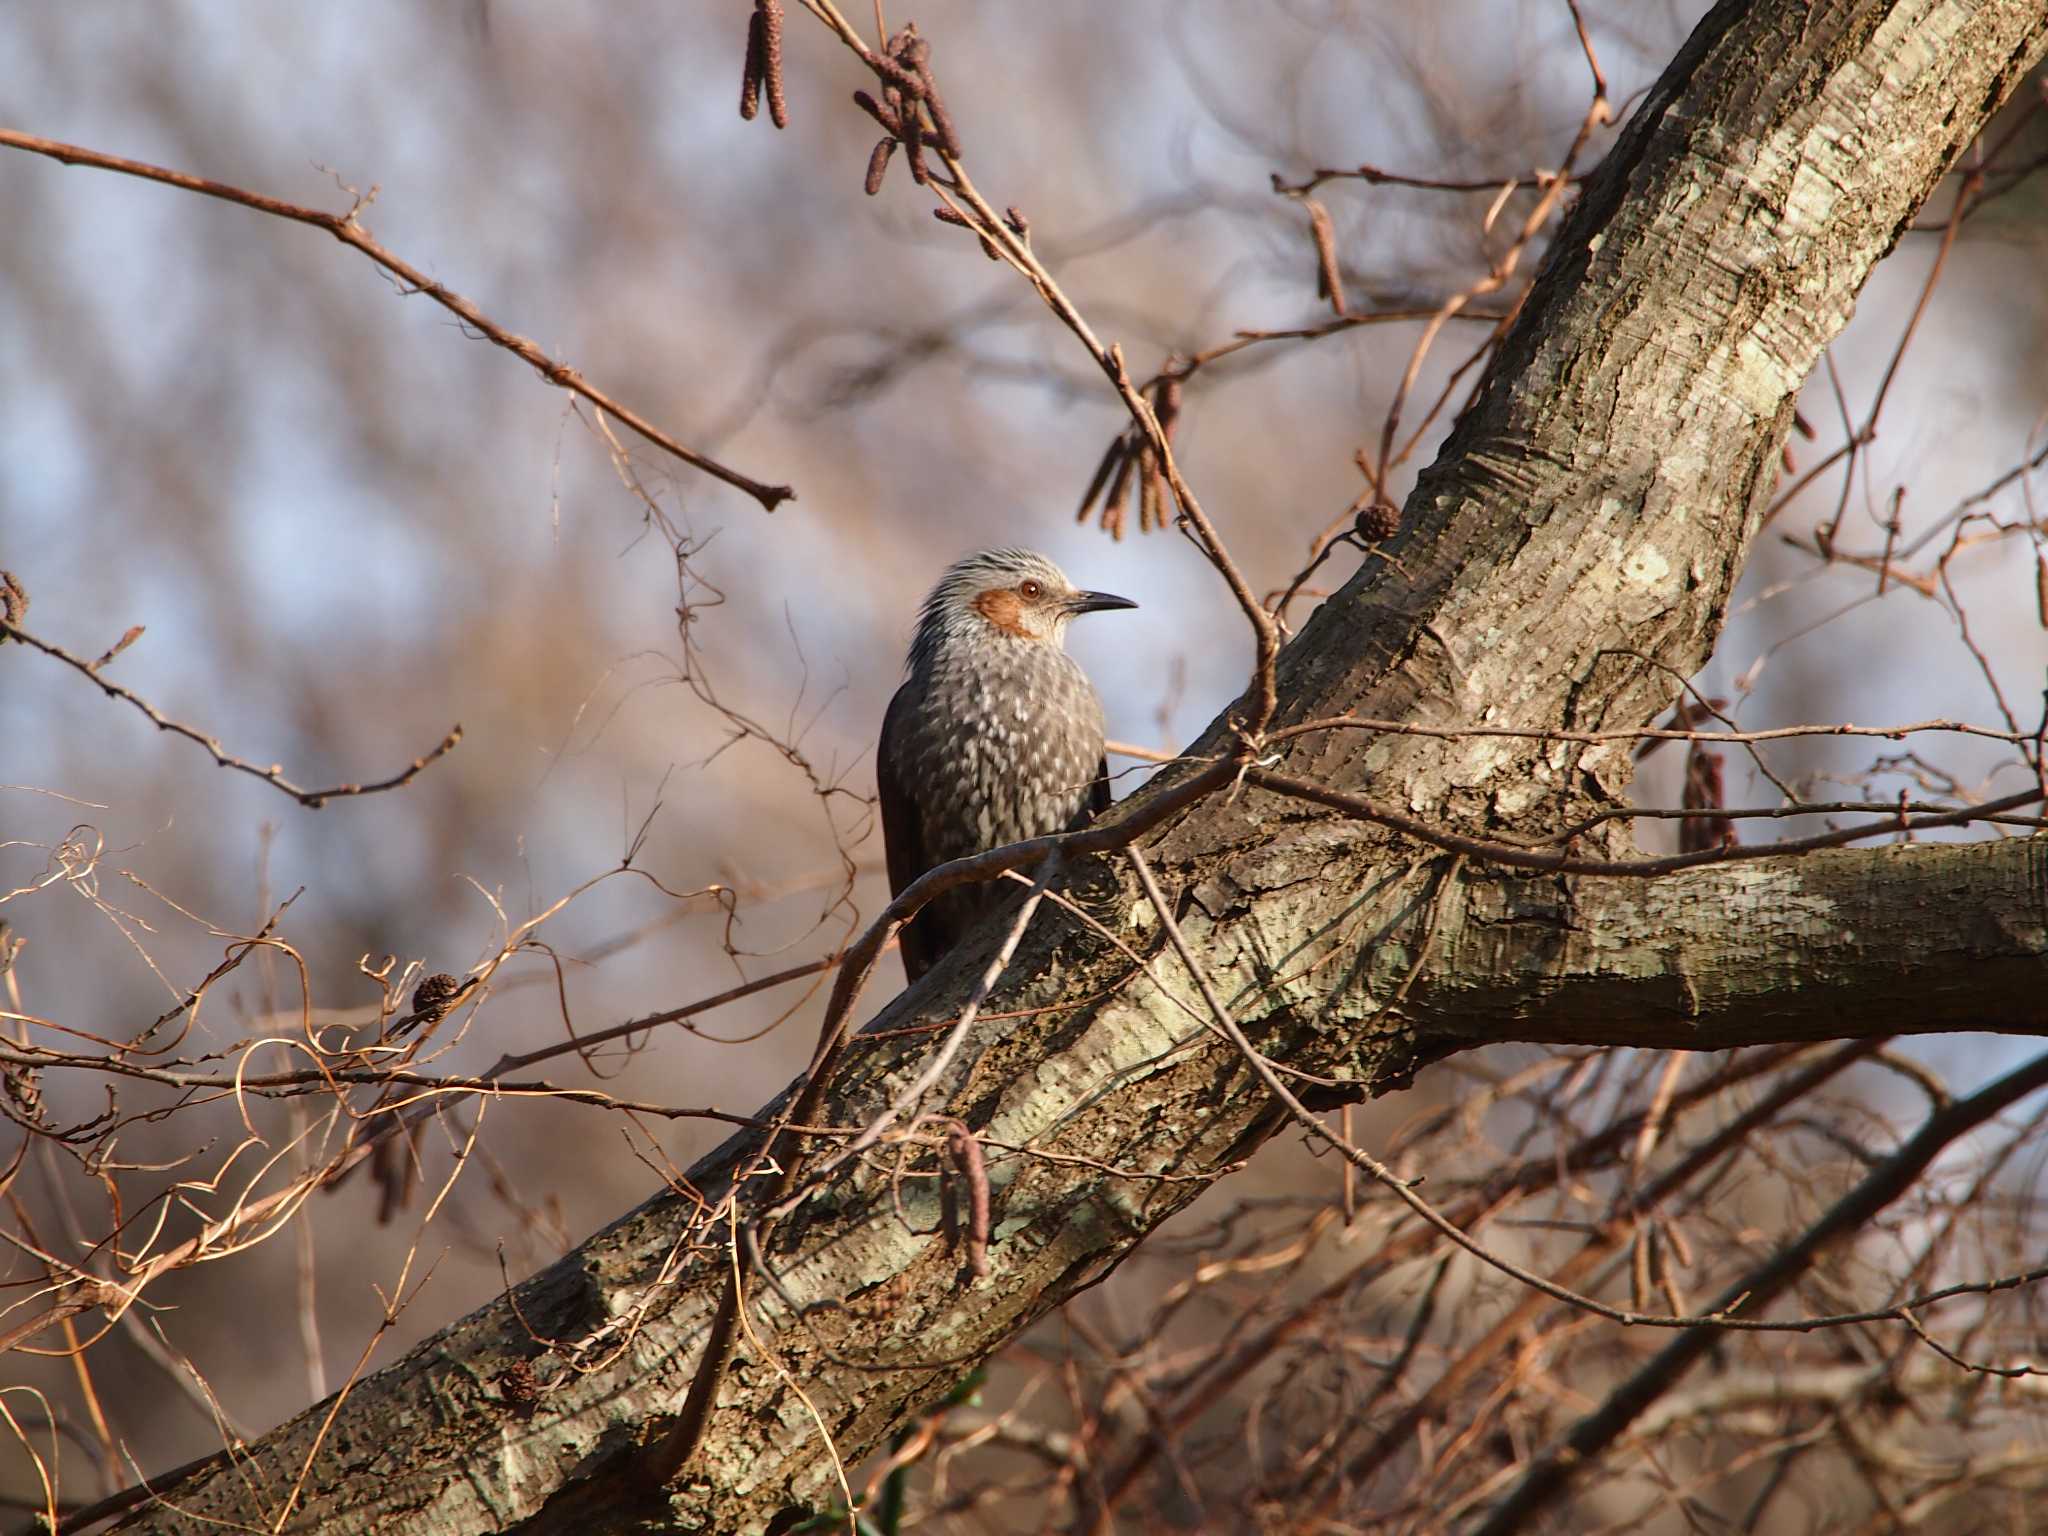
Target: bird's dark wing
x,y
1098,792
902,835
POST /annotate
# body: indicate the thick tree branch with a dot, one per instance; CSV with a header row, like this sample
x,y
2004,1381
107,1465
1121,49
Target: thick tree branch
x,y
1914,938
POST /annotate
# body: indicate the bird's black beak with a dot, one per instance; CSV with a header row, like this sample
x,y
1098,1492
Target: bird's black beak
x,y
1096,602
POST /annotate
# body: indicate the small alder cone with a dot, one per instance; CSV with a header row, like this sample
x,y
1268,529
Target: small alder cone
x,y
994,737
1378,521
432,997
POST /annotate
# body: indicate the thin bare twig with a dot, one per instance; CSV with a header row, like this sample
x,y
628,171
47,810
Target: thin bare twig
x,y
313,799
343,227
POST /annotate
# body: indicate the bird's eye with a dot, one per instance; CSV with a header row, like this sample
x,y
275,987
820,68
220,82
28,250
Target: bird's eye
x,y
1032,589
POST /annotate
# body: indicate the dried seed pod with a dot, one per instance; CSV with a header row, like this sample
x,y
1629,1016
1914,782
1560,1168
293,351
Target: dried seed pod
x,y
913,144
918,57
432,997
1151,495
1682,1249
1703,792
947,216
13,598
942,126
1674,1293
1686,715
1111,461
1166,404
896,62
892,122
901,80
750,81
1329,281
909,49
878,163
949,1213
393,1167
770,14
1119,494
1019,225
521,1389
966,1154
1376,522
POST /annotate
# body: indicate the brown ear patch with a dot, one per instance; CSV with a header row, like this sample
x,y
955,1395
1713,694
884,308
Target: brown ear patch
x,y
1005,610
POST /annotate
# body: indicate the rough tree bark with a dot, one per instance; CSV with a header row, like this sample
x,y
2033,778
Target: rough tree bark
x,y
1566,559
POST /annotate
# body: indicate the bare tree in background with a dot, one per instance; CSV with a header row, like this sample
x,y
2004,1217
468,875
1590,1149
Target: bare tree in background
x,y
1609,1195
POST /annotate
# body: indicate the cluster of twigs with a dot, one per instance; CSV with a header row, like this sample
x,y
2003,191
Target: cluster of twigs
x,y
1363,1394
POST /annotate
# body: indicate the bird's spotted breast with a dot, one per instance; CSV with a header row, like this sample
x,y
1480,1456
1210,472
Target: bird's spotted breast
x,y
995,737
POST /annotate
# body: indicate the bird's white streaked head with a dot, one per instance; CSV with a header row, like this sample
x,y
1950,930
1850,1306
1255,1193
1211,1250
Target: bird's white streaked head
x,y
1014,595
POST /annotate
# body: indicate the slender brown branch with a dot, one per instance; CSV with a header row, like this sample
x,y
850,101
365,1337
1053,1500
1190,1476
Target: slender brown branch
x,y
1638,733
343,227
1374,176
312,799
1559,862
